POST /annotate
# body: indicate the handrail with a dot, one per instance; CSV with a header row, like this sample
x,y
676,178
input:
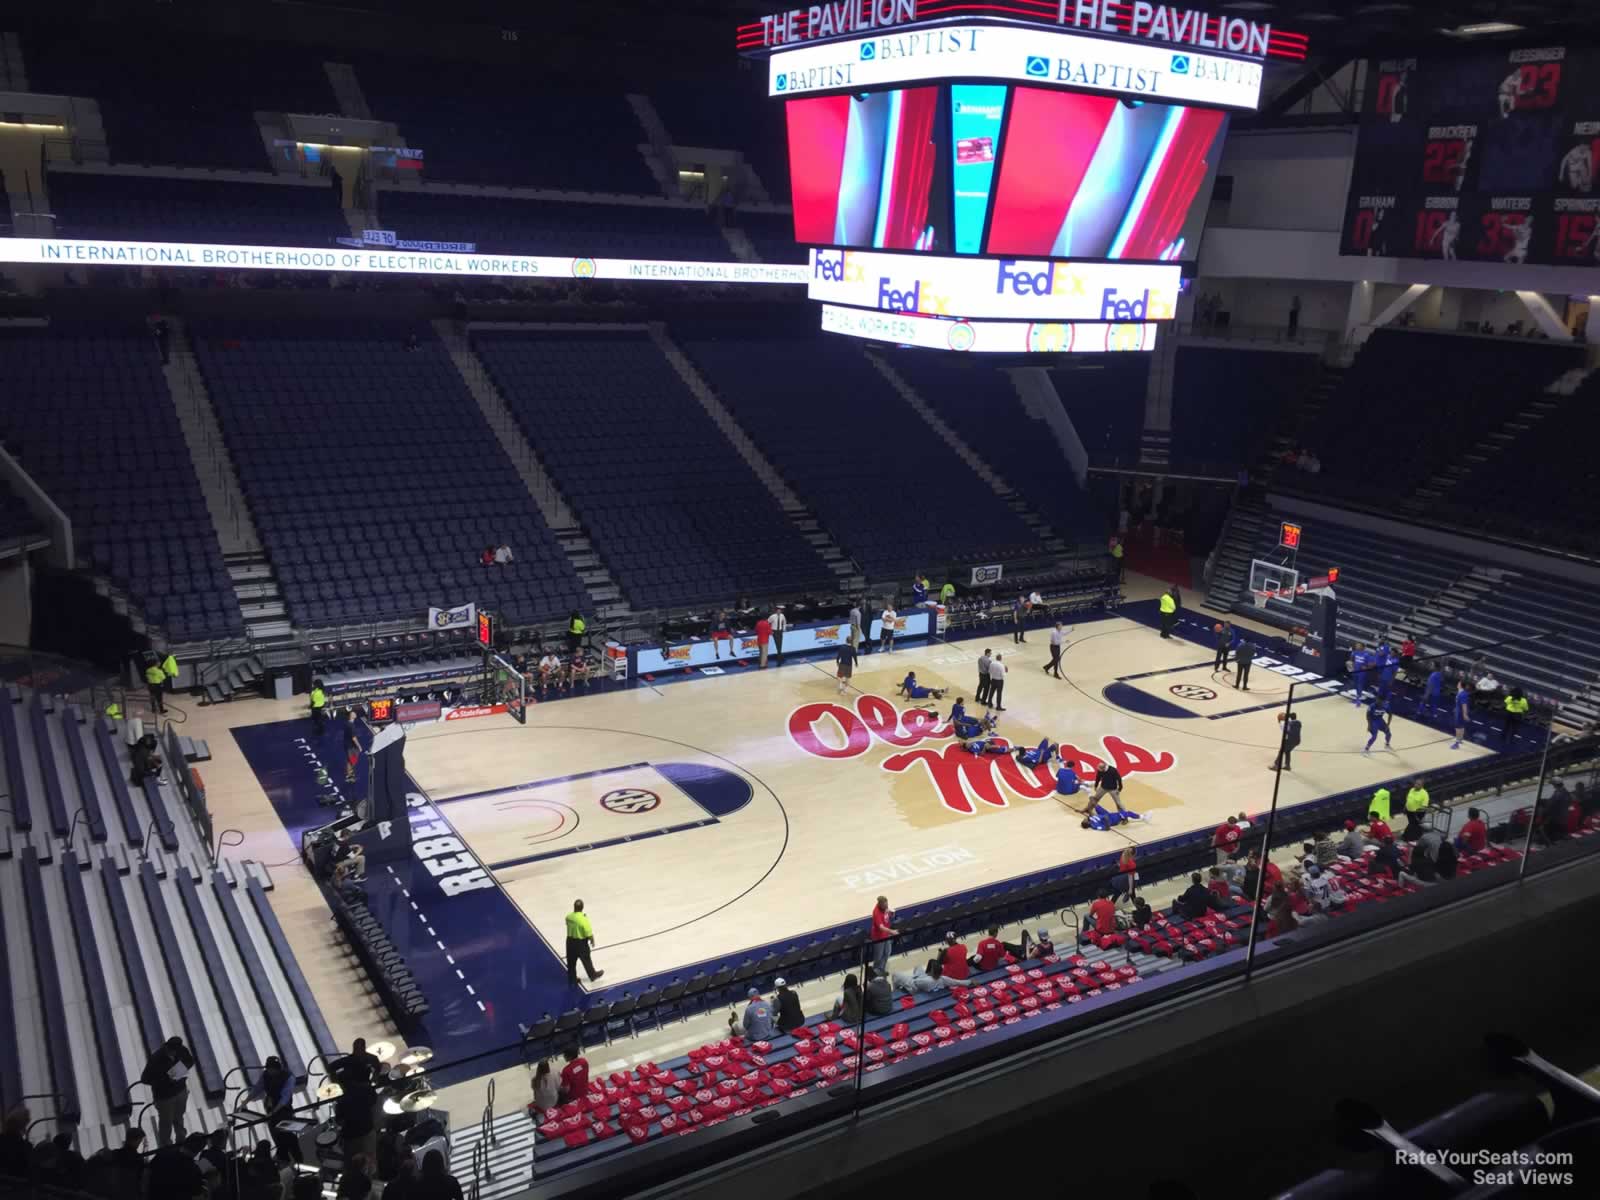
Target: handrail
x,y
216,850
155,827
72,829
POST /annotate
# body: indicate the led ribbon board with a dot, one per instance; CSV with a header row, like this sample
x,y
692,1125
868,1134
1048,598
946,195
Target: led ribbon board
x,y
992,337
1145,70
1000,288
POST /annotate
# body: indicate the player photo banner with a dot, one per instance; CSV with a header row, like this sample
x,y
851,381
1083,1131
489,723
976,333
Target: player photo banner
x,y
1489,156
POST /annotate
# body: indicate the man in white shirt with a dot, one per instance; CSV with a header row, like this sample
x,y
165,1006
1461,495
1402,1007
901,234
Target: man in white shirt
x,y
997,682
779,623
502,554
549,670
855,626
1058,640
886,633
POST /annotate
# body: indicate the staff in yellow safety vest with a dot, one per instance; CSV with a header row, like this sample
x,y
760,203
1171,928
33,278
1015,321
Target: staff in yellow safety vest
x,y
575,631
155,679
169,668
1169,611
1116,556
319,708
1516,709
114,710
1417,797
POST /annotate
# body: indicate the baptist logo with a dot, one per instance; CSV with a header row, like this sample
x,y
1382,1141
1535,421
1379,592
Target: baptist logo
x,y
918,298
1180,64
583,268
982,576
1038,66
783,83
1017,277
869,51
838,266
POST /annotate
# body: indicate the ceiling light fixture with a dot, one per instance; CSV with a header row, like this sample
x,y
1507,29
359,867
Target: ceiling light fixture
x,y
1481,29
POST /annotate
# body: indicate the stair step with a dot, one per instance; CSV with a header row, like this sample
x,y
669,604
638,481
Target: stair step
x,y
266,631
262,610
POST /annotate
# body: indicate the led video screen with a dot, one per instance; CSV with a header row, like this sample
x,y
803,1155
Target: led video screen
x,y
1003,170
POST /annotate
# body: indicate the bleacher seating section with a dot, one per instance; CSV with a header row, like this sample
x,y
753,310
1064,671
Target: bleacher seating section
x,y
1414,401
372,477
91,418
1105,399
731,112
1540,487
891,492
1449,601
102,956
772,234
1225,402
509,226
676,515
500,126
16,519
126,207
982,406
174,100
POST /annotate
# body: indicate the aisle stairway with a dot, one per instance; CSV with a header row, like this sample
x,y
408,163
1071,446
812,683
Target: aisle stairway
x,y
116,933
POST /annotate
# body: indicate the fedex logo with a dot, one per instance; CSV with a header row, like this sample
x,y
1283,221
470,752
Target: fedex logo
x,y
1114,309
918,298
838,266
1017,277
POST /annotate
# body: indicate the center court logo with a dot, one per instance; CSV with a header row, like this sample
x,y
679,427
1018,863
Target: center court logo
x,y
1038,66
630,801
1192,691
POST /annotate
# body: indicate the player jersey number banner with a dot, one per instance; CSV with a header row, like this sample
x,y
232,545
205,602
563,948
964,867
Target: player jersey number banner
x,y
1485,157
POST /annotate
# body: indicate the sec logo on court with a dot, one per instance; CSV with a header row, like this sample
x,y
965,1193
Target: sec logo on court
x,y
630,801
1192,691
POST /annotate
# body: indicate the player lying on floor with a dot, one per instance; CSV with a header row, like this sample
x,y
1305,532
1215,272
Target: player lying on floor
x,y
1037,756
912,690
966,725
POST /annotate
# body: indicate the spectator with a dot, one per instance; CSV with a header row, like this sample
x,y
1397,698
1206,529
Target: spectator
x,y
1432,858
955,958
883,932
919,589
1127,873
1280,914
1322,890
1323,849
1354,844
1387,861
1555,808
922,979
880,996
1197,899
1225,841
349,860
790,1017
405,1183
1474,835
503,555
59,1162
486,556
164,1073
174,1170
888,620
1416,797
546,1089
1414,826
1103,914
275,1087
1377,828
574,1076
146,760
1141,913
1217,884
1408,654
1043,947
434,1182
851,1004
16,1153
758,1026
991,951
1267,875
354,1112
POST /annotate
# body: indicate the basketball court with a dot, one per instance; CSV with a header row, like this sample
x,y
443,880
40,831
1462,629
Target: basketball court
x,y
724,816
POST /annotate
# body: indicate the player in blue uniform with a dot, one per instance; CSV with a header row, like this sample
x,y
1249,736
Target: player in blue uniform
x,y
1035,756
1463,706
1360,661
912,690
1066,779
1431,697
1376,724
1388,662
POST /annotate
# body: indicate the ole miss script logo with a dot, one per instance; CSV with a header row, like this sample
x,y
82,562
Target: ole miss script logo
x,y
826,729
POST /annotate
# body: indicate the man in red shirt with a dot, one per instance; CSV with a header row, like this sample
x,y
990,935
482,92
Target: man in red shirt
x,y
1377,828
763,636
574,1076
955,958
1225,841
1103,912
882,931
991,951
1474,835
